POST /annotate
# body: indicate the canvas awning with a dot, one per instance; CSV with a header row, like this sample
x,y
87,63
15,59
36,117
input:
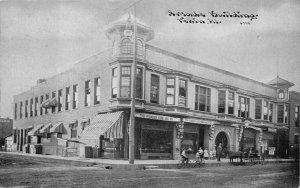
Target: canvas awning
x,y
46,128
109,125
57,128
35,130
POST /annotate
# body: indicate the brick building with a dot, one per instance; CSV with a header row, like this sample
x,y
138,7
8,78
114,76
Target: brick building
x,y
178,104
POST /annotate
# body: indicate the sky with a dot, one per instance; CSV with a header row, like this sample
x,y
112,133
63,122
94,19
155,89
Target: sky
x,y
40,38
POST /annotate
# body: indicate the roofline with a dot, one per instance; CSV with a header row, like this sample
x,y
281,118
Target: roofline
x,y
191,61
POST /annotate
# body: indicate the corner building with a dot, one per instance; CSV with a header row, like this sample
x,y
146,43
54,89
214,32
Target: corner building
x,y
180,102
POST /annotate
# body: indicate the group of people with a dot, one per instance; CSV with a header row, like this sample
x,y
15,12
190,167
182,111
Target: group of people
x,y
204,154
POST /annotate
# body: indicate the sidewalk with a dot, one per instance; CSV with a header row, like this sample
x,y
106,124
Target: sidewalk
x,y
121,164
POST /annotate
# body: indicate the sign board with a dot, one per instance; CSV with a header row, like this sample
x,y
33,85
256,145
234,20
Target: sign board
x,y
197,121
272,130
157,117
271,150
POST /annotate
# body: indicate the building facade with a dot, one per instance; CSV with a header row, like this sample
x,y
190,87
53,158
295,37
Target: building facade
x,y
85,111
6,126
294,123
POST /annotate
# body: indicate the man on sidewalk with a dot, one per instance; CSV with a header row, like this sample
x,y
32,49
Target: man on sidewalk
x,y
219,151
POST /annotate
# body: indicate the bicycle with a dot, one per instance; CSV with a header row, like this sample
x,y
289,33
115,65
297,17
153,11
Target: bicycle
x,y
191,164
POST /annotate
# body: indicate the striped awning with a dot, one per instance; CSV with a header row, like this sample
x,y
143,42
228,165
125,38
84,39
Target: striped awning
x,y
46,128
109,125
57,128
35,130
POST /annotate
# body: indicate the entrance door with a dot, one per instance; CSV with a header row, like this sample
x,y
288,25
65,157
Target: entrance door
x,y
222,138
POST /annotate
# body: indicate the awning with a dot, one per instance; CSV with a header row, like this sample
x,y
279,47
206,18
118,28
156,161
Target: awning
x,y
35,130
57,128
49,103
252,127
46,128
109,125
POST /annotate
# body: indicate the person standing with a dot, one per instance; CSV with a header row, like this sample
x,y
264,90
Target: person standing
x,y
219,151
205,154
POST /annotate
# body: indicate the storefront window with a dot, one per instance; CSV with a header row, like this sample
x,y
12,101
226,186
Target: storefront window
x,y
258,109
156,141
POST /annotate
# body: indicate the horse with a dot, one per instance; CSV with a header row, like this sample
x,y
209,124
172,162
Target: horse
x,y
234,154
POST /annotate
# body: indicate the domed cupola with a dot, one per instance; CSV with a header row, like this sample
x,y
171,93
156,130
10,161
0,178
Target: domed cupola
x,y
122,36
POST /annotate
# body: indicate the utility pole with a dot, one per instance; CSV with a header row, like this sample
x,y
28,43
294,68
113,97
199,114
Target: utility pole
x,y
133,94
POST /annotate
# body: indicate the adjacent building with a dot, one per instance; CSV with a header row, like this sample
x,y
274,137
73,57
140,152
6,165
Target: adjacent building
x,y
180,102
6,126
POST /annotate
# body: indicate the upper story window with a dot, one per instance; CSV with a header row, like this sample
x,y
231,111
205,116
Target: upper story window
x,y
47,97
182,93
68,98
297,116
282,116
230,102
126,46
21,110
125,81
73,127
97,84
281,94
265,109
154,93
31,107
53,97
202,99
41,102
258,109
140,48
271,111
87,93
170,91
75,96
26,108
114,84
36,106
59,100
221,101
139,83
244,106
16,109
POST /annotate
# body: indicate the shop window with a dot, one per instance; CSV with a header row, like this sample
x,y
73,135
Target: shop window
x,y
21,110
258,109
53,108
266,109
75,96
170,91
221,101
280,113
87,93
68,99
230,102
156,141
16,109
297,116
182,93
140,48
36,106
47,97
125,81
26,108
97,84
154,93
244,106
139,83
271,110
202,99
41,102
59,100
126,46
114,85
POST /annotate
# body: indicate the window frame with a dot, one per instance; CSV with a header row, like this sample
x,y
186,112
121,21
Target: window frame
x,y
207,98
87,93
229,109
53,108
97,85
127,76
152,88
75,97
258,109
36,106
247,107
126,46
114,82
297,114
41,102
21,110
219,102
60,100
68,99
26,108
170,87
181,96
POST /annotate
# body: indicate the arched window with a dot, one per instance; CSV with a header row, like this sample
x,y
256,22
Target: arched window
x,y
140,50
126,46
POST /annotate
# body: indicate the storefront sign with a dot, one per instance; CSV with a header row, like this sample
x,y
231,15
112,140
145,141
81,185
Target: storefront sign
x,y
156,117
271,150
196,121
272,130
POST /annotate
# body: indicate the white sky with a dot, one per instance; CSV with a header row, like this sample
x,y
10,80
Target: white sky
x,y
41,38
